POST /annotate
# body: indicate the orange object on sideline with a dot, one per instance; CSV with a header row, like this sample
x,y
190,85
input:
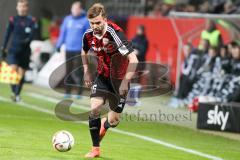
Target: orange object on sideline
x,y
8,75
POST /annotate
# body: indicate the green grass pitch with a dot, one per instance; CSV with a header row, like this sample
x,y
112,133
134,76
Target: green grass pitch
x,y
26,133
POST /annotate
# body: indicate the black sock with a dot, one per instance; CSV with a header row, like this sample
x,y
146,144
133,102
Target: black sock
x,y
106,124
19,87
94,127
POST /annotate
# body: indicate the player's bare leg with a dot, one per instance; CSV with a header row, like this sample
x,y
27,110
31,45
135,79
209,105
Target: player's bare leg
x,y
111,121
94,126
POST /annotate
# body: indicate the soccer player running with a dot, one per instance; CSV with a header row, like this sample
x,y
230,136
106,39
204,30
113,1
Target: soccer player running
x,y
21,31
116,66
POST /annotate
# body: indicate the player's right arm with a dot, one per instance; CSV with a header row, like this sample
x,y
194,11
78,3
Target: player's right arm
x,y
84,54
87,74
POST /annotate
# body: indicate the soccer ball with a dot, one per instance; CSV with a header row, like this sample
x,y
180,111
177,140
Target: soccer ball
x,y
63,141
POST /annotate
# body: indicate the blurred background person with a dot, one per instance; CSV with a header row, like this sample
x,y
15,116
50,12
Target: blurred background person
x,y
20,30
71,33
203,47
45,24
140,43
235,64
204,75
229,7
212,34
230,89
54,31
189,68
162,9
188,76
222,64
234,96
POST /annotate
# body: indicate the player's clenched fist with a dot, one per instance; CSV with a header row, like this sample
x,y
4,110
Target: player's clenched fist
x,y
88,79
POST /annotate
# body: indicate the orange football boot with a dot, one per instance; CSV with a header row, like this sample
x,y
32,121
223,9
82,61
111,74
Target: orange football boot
x,y
102,129
94,153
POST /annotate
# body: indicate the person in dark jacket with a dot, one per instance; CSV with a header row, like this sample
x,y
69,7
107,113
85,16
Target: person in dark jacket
x,y
222,63
235,64
72,31
20,30
205,76
230,91
189,68
188,75
140,43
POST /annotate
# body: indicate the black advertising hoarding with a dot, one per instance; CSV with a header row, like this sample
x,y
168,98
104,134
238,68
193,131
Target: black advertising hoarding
x,y
219,116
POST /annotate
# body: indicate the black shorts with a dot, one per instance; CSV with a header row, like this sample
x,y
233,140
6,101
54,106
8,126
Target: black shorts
x,y
109,90
20,58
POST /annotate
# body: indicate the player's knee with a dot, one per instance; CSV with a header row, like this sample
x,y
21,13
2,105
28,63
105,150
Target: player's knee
x,y
95,109
95,112
93,115
114,122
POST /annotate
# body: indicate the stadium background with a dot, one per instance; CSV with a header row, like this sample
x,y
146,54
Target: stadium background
x,y
164,48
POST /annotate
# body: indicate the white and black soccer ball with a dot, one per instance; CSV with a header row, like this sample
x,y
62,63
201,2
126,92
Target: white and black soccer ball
x,y
63,141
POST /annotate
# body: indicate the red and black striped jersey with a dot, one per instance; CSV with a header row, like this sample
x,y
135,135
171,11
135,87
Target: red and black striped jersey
x,y
111,49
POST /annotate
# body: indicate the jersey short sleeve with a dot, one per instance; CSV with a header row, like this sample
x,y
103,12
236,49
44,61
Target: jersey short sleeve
x,y
85,45
85,40
124,46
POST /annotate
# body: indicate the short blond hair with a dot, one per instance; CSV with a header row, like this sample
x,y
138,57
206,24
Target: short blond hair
x,y
96,10
22,1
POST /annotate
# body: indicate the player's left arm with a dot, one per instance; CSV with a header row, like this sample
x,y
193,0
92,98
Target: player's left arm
x,y
133,61
126,49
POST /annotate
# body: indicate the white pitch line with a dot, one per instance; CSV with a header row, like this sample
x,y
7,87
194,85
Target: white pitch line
x,y
54,100
168,144
29,106
149,139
